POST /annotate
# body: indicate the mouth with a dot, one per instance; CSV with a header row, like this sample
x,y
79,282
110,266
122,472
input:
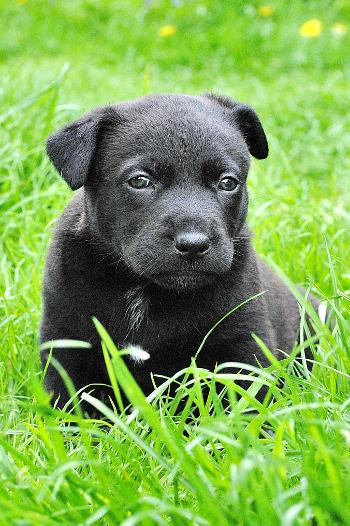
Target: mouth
x,y
184,280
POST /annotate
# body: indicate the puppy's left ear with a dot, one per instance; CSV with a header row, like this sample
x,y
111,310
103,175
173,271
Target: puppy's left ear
x,y
248,122
71,149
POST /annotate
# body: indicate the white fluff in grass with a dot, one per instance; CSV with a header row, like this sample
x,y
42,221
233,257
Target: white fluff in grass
x,y
136,353
322,311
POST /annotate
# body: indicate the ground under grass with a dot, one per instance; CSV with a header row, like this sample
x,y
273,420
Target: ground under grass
x,y
282,462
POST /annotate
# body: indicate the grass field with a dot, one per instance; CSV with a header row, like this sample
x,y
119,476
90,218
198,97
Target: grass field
x,y
285,462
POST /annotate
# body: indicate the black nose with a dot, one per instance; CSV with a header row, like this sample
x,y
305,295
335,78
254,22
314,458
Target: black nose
x,y
192,244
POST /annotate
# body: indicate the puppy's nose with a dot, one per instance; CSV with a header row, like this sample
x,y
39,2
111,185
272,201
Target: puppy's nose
x,y
191,244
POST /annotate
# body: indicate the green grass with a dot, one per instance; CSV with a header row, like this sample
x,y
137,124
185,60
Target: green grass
x,y
285,462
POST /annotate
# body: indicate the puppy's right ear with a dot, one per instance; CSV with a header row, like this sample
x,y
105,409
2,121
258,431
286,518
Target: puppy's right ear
x,y
245,118
72,148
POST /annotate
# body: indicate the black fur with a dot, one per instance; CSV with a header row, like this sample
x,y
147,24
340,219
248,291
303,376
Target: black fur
x,y
114,253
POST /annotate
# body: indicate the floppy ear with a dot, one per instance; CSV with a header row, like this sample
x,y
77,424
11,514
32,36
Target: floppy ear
x,y
72,148
247,121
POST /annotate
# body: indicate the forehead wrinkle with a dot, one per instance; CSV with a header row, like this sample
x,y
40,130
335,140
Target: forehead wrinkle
x,y
182,139
181,143
132,162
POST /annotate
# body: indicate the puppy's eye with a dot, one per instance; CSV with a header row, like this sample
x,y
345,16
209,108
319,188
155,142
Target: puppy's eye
x,y
228,184
139,182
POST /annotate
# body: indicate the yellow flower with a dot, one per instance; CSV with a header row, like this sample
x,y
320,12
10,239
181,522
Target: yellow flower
x,y
167,31
339,29
266,10
312,28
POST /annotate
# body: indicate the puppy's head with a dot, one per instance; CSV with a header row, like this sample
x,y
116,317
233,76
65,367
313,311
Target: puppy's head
x,y
165,181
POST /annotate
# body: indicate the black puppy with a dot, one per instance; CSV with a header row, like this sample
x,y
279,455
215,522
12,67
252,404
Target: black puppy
x,y
155,244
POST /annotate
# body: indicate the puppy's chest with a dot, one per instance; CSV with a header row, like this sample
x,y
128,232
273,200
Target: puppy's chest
x,y
153,326
171,329
159,324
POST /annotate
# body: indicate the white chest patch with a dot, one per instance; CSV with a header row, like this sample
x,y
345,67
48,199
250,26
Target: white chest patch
x,y
137,308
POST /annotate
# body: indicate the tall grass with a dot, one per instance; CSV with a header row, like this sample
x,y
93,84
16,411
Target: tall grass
x,y
283,461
